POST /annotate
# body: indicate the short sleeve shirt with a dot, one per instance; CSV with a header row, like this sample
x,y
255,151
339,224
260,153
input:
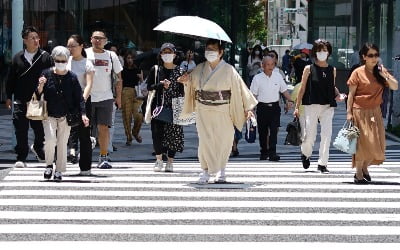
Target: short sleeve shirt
x,y
369,90
268,88
101,89
80,68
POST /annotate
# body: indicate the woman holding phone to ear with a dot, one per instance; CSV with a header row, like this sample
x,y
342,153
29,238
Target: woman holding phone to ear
x,y
366,85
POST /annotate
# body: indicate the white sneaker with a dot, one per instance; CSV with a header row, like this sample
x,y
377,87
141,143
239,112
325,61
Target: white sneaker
x,y
86,173
20,164
204,177
220,176
158,166
169,167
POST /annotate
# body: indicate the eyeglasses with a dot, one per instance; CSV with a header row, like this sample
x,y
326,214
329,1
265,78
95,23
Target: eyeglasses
x,y
373,55
60,61
99,38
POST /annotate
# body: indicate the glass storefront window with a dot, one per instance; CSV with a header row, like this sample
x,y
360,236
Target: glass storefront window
x,y
5,44
348,24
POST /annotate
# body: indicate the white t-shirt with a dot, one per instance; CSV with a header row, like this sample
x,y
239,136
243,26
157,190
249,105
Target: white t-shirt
x,y
101,89
80,68
188,67
267,89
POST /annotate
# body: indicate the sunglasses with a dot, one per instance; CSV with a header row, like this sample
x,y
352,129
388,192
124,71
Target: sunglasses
x,y
373,55
60,61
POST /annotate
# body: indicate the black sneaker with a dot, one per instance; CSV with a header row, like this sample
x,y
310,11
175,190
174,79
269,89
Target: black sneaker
x,y
57,176
48,172
234,153
305,161
263,157
73,159
323,169
274,157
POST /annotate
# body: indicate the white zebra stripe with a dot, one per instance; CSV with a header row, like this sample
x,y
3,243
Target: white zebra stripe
x,y
167,178
109,216
49,184
198,229
197,204
243,195
68,245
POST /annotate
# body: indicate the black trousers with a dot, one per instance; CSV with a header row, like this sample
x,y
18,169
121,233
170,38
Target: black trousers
x,y
157,133
268,122
85,159
21,125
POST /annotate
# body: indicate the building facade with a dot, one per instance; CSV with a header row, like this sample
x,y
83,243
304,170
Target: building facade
x,y
128,23
348,24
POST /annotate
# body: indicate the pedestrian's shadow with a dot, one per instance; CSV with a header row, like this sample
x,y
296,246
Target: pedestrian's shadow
x,y
389,183
225,185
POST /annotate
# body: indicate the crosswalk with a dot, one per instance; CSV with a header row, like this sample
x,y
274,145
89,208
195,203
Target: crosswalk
x,y
264,203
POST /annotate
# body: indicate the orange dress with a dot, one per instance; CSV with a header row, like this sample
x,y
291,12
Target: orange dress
x,y
367,116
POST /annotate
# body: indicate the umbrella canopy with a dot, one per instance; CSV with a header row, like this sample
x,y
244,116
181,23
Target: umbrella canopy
x,y
193,26
303,46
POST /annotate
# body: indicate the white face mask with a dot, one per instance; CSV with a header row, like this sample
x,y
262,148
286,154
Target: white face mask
x,y
211,56
257,52
167,58
60,66
322,56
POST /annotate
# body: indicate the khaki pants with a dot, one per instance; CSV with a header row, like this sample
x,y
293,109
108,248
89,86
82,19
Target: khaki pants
x,y
131,107
56,134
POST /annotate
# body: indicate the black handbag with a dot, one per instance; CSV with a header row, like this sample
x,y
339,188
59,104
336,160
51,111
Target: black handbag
x,y
251,130
293,136
74,120
163,113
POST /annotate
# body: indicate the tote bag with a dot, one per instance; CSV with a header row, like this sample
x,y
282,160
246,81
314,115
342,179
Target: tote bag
x,y
150,97
293,130
36,109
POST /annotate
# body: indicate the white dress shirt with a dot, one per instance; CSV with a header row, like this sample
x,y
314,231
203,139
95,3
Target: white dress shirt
x,y
267,89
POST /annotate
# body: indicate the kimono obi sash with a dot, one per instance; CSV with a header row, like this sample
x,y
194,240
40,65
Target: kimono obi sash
x,y
213,98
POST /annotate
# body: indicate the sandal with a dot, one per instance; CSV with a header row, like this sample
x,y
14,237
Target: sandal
x,y
138,139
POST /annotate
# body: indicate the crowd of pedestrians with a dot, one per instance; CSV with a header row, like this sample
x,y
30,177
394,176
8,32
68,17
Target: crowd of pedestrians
x,y
94,82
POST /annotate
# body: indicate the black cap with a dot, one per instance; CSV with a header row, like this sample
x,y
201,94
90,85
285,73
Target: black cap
x,y
168,46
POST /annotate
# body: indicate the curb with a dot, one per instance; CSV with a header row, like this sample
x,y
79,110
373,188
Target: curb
x,y
392,136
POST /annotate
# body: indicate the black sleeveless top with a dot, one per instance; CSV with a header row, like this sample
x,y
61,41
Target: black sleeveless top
x,y
320,87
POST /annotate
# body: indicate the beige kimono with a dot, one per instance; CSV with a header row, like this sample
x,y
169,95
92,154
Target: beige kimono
x,y
215,124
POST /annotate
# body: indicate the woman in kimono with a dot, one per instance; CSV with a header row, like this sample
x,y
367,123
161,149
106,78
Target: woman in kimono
x,y
222,101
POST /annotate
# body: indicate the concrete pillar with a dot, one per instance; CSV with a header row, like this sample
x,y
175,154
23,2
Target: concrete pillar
x,y
17,25
17,8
